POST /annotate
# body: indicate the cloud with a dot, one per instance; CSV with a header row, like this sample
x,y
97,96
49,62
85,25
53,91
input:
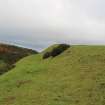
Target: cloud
x,y
38,23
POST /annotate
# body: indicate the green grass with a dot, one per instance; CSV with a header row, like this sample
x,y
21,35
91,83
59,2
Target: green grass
x,y
75,77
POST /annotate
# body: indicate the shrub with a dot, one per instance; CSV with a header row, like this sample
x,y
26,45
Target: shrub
x,y
46,55
56,51
5,67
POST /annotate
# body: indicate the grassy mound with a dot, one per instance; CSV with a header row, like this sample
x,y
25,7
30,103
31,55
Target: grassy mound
x,y
76,77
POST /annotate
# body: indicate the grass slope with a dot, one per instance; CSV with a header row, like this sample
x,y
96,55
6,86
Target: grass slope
x,y
10,54
76,77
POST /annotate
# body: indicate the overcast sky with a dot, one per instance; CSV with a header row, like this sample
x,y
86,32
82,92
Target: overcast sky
x,y
40,23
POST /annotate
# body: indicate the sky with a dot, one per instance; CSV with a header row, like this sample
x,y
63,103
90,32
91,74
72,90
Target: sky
x,y
39,23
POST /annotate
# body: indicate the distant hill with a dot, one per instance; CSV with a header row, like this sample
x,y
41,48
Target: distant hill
x,y
10,54
74,77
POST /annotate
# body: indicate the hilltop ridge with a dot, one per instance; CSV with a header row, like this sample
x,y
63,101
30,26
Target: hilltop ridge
x,y
10,54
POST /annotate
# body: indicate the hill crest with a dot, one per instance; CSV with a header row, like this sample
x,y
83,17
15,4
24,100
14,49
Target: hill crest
x,y
10,54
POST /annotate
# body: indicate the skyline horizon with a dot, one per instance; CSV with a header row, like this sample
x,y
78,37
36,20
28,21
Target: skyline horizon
x,y
39,23
44,47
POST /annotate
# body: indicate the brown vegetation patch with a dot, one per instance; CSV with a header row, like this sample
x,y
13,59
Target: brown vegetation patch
x,y
9,100
22,82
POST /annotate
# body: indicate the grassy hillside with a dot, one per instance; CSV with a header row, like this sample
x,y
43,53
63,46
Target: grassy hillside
x,y
10,54
75,77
